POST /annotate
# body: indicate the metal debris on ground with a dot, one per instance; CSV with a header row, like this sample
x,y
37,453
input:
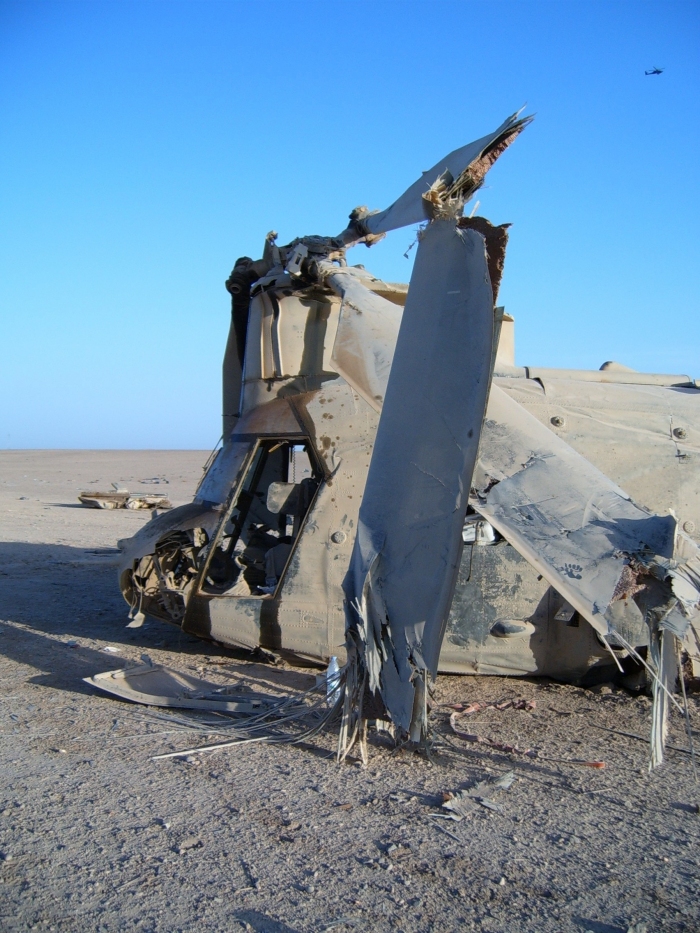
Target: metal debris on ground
x,y
253,717
122,499
461,803
506,747
522,703
155,685
290,721
576,761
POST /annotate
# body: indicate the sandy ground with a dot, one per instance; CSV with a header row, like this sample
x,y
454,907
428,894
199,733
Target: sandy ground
x,y
95,835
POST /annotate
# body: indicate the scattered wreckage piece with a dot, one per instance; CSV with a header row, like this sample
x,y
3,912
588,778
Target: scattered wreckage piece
x,y
480,740
255,717
500,705
460,804
157,685
122,499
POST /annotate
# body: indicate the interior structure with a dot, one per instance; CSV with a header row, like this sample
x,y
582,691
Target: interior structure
x,y
249,555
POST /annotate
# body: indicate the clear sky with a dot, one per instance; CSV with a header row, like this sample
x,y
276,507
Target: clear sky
x,y
144,146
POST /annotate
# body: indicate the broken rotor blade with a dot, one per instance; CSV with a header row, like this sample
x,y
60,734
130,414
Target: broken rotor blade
x,y
403,569
458,174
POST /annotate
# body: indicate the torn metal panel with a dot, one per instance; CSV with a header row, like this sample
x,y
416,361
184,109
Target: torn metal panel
x,y
366,336
569,520
645,438
404,564
156,685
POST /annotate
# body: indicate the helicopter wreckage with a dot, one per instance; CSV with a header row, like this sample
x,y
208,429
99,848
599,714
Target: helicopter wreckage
x,y
394,489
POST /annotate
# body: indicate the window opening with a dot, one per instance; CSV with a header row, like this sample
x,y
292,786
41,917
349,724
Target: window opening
x,y
253,549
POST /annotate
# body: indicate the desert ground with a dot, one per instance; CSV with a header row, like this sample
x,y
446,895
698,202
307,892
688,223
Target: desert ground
x,y
95,835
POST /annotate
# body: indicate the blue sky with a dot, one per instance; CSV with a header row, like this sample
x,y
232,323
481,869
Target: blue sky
x,y
145,146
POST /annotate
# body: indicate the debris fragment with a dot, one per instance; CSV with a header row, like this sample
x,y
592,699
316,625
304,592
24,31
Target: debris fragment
x,y
121,499
156,685
333,682
460,804
522,703
480,740
137,620
448,833
577,761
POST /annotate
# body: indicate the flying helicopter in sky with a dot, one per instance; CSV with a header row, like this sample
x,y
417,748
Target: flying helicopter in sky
x,y
394,489
654,71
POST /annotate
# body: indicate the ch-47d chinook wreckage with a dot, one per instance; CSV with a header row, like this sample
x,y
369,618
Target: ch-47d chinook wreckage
x,y
392,488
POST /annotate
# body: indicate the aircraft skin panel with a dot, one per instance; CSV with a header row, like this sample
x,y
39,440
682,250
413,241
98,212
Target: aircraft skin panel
x,y
365,338
496,584
630,433
575,526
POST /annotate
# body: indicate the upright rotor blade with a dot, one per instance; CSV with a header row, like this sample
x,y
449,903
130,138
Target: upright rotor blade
x,y
408,547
